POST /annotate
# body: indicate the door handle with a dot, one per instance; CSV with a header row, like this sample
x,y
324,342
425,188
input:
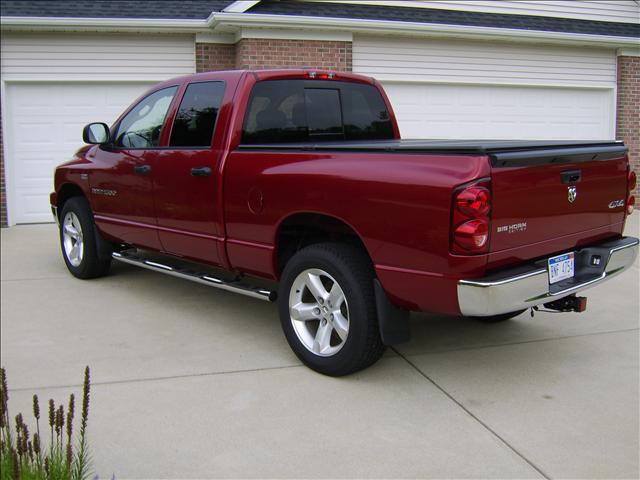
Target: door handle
x,y
571,176
142,169
200,172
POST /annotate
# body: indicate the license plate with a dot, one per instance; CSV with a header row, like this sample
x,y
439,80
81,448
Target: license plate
x,y
561,267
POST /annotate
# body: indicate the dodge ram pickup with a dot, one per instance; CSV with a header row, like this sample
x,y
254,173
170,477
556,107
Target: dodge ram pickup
x,y
294,186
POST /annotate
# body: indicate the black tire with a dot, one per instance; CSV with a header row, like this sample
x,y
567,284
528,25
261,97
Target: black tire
x,y
353,271
95,259
499,318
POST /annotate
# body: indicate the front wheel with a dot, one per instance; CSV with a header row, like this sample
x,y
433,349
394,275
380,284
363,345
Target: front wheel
x,y
85,253
328,311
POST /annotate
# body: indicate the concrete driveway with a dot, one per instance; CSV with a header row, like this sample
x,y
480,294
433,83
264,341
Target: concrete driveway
x,y
193,382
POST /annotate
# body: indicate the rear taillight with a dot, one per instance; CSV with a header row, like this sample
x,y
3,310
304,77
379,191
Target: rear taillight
x,y
472,235
474,201
471,222
631,185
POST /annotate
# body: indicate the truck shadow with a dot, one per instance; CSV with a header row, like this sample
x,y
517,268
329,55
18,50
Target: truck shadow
x,y
250,325
438,333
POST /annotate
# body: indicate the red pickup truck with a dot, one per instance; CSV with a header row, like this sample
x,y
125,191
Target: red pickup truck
x,y
294,186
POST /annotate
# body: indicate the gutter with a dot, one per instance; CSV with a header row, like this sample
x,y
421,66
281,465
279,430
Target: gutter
x,y
226,22
418,29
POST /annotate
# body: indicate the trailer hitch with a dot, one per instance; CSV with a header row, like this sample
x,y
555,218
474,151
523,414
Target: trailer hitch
x,y
572,303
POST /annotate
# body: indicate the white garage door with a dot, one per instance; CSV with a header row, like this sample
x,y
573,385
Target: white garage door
x,y
44,128
461,89
501,112
57,82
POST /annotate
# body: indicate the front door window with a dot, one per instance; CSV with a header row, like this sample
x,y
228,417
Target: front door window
x,y
142,126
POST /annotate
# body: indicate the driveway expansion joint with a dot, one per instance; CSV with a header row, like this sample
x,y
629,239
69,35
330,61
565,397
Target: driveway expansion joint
x,y
156,379
472,415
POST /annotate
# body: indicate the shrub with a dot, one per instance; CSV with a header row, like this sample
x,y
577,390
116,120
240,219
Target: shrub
x,y
23,456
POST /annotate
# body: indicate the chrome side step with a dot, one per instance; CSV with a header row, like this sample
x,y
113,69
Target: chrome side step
x,y
198,277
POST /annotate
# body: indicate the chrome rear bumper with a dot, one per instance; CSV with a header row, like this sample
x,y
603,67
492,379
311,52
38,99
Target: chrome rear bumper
x,y
528,285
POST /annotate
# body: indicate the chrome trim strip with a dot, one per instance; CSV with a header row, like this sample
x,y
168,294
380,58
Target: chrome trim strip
x,y
202,279
485,298
158,265
211,279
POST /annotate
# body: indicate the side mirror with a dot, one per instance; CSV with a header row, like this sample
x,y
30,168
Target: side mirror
x,y
96,133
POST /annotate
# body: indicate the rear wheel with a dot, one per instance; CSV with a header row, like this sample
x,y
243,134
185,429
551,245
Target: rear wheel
x,y
499,318
85,253
327,309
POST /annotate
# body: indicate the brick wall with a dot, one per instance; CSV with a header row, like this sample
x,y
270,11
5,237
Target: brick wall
x,y
215,56
257,53
3,191
628,111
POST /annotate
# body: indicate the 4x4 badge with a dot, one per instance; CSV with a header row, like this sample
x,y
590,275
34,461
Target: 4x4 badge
x,y
572,194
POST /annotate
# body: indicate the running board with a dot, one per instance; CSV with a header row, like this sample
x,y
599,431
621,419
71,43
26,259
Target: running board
x,y
198,277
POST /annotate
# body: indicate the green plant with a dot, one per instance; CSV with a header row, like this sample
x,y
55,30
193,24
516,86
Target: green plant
x,y
26,457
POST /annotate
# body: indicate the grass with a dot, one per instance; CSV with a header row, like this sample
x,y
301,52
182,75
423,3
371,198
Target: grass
x,y
26,456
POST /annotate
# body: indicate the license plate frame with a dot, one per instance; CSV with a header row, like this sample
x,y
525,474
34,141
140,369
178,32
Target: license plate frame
x,y
561,267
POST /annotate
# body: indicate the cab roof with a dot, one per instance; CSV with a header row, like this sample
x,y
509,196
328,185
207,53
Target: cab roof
x,y
269,74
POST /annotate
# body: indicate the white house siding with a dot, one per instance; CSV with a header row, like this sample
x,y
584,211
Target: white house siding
x,y
621,11
459,89
482,62
62,56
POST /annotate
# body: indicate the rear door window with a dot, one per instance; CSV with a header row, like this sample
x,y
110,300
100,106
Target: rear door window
x,y
288,111
197,114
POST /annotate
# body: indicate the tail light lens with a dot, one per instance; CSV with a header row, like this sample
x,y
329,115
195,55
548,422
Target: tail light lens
x,y
474,201
471,222
632,181
472,235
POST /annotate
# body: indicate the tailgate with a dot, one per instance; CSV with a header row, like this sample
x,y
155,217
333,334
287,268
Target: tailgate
x,y
547,200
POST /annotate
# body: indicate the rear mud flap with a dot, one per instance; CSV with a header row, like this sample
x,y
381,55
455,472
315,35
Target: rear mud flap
x,y
392,320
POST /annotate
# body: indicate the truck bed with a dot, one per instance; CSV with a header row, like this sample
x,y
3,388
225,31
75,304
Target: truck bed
x,y
531,214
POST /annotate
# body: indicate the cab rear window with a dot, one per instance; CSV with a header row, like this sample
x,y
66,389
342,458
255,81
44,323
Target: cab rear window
x,y
288,111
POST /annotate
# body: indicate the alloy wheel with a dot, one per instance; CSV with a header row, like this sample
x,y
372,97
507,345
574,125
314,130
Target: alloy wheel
x,y
72,239
319,312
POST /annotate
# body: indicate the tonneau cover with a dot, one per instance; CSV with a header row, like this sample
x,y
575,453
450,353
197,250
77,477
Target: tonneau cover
x,y
418,145
503,153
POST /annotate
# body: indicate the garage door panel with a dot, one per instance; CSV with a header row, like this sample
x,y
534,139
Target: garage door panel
x,y
31,209
44,128
33,170
426,110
